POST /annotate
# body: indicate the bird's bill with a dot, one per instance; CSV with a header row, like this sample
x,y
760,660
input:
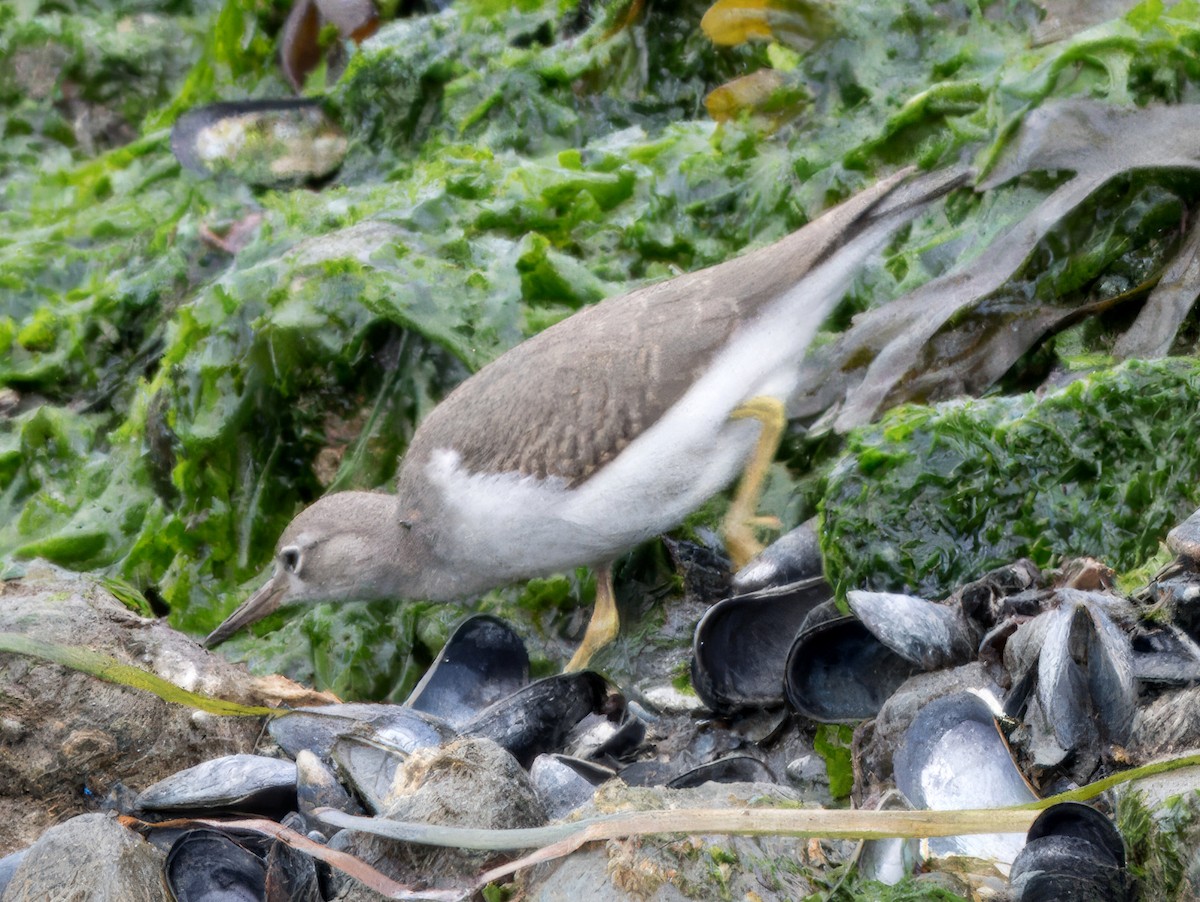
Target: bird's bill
x,y
263,602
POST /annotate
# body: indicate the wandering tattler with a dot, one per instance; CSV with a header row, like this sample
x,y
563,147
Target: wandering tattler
x,y
601,432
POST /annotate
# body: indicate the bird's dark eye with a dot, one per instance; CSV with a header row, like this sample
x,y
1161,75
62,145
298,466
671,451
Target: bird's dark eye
x,y
290,558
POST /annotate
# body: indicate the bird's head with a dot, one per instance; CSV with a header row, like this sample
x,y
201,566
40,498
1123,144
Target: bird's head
x,y
346,546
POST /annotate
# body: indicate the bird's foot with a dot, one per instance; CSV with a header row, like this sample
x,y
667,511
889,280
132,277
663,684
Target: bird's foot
x,y
742,518
741,541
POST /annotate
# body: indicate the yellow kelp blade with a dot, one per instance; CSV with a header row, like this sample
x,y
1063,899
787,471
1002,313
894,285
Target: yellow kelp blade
x,y
797,23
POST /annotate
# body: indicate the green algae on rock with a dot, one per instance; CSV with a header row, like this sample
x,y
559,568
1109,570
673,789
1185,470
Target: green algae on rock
x,y
931,497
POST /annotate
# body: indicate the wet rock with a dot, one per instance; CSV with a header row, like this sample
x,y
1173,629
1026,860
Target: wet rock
x,y
8,866
89,857
71,739
470,782
1168,725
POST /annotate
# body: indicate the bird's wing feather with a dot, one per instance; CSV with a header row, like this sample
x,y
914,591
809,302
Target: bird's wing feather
x,y
568,400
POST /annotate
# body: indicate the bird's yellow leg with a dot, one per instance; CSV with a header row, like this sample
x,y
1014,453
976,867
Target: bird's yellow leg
x,y
742,518
604,624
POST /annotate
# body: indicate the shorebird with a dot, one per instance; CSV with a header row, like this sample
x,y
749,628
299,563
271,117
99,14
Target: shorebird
x,y
597,434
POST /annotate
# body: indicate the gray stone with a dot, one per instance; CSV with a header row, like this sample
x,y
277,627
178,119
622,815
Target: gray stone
x,y
90,858
669,868
469,783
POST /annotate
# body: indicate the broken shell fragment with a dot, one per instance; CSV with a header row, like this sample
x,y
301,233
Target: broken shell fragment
x,y
564,783
300,44
370,767
1166,656
732,769
741,645
889,860
317,787
267,143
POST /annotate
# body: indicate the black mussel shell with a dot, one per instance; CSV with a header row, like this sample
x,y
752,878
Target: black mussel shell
x,y
838,672
536,720
929,634
953,756
291,875
317,728
1085,674
734,769
741,645
205,865
211,866
1072,853
794,557
483,661
231,782
956,738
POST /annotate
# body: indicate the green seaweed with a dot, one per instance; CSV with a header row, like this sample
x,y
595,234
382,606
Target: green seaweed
x,y
931,497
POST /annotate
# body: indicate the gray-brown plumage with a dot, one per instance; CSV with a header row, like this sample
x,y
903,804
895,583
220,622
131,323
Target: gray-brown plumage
x,y
618,365
597,433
